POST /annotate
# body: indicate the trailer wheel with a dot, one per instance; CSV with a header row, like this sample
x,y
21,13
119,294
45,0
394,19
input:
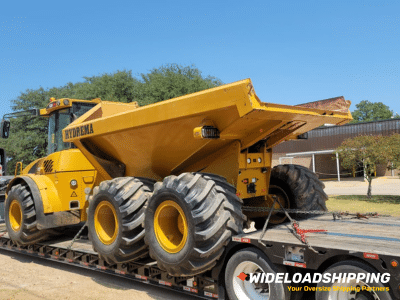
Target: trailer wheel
x,y
237,277
189,221
116,218
20,217
296,188
351,290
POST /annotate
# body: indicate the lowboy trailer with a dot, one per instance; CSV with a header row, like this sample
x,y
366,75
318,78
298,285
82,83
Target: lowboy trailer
x,y
346,245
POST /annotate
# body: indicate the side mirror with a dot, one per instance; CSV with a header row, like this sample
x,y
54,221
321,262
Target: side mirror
x,y
4,128
36,151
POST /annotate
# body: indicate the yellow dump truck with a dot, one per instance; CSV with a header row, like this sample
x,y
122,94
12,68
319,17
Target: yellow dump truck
x,y
169,179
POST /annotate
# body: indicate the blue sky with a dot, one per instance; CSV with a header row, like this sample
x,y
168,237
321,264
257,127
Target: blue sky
x,y
294,51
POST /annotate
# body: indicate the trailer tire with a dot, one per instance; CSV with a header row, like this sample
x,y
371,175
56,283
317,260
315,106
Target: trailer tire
x,y
302,189
189,220
20,217
116,217
351,267
252,260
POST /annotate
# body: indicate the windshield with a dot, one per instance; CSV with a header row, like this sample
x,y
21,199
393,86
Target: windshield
x,y
59,120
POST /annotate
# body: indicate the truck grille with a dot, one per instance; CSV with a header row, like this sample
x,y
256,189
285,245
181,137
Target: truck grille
x,y
48,166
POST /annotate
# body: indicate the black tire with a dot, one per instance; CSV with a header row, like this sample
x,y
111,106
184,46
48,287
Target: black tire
x,y
21,221
252,260
212,212
301,186
121,204
351,267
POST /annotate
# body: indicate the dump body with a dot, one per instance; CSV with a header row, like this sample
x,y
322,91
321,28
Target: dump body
x,y
158,140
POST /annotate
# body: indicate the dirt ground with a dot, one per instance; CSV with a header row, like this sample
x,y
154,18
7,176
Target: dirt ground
x,y
29,278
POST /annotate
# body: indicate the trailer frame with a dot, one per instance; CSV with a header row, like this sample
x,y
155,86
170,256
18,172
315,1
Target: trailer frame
x,y
279,245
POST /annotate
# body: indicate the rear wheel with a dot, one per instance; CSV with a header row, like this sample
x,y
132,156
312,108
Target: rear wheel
x,y
20,217
237,277
189,221
116,217
351,289
296,187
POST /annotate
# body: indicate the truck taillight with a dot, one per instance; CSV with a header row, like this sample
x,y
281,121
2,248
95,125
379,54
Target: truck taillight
x,y
209,132
206,132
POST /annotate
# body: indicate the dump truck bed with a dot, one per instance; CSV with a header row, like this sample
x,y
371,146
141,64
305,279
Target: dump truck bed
x,y
158,140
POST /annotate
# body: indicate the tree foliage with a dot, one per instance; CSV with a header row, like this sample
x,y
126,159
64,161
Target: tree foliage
x,y
119,86
170,81
393,148
367,150
165,82
372,111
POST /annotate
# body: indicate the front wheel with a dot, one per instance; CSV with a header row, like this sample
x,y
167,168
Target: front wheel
x,y
20,217
244,279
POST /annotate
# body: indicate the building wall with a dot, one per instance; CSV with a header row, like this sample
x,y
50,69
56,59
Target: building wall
x,y
329,138
301,160
325,164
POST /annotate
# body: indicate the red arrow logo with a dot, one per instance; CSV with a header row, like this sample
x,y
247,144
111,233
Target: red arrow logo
x,y
242,276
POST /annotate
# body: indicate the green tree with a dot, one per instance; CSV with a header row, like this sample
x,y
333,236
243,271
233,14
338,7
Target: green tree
x,y
170,81
372,111
119,86
366,149
394,150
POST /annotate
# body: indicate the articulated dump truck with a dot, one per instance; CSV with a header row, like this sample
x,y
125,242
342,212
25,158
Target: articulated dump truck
x,y
167,180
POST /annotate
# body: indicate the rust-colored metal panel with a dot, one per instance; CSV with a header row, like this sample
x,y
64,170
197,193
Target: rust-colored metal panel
x,y
332,104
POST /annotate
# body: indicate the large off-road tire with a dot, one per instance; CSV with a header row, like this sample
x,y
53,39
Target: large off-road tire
x,y
116,217
189,220
297,188
20,217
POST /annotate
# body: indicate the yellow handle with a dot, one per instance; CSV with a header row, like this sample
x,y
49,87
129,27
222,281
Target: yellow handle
x,y
16,167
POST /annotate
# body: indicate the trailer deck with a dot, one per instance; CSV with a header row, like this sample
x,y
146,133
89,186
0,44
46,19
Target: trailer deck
x,y
379,235
81,254
375,240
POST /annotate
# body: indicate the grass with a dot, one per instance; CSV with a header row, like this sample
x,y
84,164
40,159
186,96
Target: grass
x,y
385,205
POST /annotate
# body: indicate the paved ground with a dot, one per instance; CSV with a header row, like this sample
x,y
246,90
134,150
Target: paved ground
x,y
357,186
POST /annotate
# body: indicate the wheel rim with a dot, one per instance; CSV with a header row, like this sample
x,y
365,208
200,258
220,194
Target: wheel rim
x,y
343,292
15,215
106,222
245,290
277,218
170,226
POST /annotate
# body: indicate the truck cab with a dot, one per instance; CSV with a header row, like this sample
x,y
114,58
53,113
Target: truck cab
x,y
58,181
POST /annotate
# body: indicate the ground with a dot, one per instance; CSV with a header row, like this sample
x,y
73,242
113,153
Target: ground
x,y
357,186
28,278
